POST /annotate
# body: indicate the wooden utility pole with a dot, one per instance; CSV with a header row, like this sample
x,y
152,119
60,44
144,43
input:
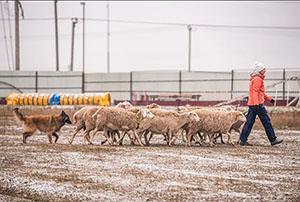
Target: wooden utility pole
x,y
56,35
17,36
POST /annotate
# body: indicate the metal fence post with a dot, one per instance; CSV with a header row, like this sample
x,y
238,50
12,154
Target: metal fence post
x,y
130,87
232,79
83,80
180,82
36,81
283,85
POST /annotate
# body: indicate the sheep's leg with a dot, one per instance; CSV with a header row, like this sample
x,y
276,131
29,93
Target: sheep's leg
x,y
121,138
147,141
131,137
211,140
116,132
166,137
104,141
170,138
229,139
77,129
86,135
221,136
107,137
113,136
91,137
138,138
197,139
175,137
150,137
237,130
189,137
184,135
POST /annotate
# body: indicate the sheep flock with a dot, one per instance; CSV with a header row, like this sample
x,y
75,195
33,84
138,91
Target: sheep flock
x,y
203,125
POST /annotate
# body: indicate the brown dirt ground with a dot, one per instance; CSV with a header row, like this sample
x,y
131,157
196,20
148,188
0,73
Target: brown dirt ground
x,y
39,171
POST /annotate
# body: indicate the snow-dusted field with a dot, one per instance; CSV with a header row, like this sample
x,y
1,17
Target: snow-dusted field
x,y
38,171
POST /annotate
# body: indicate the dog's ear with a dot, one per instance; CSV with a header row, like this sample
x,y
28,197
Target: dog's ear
x,y
63,113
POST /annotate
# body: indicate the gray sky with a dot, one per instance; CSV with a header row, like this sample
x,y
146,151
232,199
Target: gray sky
x,y
161,44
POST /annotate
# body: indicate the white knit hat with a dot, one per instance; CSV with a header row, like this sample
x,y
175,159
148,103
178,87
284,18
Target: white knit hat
x,y
259,67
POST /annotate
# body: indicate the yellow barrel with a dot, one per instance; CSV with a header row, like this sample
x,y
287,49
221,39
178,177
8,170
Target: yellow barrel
x,y
43,99
12,99
80,99
20,99
25,100
105,100
65,99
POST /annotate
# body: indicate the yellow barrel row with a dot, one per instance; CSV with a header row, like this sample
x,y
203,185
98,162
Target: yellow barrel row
x,y
38,99
85,99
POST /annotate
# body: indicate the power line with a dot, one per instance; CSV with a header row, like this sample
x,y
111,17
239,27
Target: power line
x,y
174,24
200,25
116,32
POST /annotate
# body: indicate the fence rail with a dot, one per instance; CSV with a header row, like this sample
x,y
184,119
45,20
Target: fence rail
x,y
220,86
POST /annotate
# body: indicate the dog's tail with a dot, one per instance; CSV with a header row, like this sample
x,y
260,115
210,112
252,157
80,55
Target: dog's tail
x,y
18,115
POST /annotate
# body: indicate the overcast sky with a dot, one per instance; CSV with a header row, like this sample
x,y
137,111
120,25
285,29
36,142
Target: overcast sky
x,y
160,41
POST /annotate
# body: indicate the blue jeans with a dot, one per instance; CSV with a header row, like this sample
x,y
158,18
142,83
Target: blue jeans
x,y
265,120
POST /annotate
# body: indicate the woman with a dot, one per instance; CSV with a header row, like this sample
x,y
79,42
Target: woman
x,y
256,100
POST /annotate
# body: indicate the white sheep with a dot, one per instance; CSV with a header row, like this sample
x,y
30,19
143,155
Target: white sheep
x,y
212,122
79,121
236,126
167,124
120,119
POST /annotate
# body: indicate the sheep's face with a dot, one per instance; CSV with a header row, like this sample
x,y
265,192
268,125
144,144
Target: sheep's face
x,y
125,105
181,109
146,113
193,116
153,105
241,117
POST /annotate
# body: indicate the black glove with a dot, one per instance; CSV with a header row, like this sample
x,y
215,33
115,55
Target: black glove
x,y
272,101
256,108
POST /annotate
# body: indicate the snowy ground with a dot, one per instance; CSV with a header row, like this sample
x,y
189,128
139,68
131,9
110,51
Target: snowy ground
x,y
38,171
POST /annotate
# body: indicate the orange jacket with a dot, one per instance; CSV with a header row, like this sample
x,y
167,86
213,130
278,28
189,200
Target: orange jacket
x,y
257,90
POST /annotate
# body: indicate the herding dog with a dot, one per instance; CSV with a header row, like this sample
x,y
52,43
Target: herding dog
x,y
44,123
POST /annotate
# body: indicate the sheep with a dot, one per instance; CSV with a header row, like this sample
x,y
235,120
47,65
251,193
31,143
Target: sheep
x,y
152,106
119,119
89,123
170,124
236,126
160,112
212,122
79,121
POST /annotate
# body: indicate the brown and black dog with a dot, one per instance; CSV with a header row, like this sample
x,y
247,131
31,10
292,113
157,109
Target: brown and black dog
x,y
44,123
